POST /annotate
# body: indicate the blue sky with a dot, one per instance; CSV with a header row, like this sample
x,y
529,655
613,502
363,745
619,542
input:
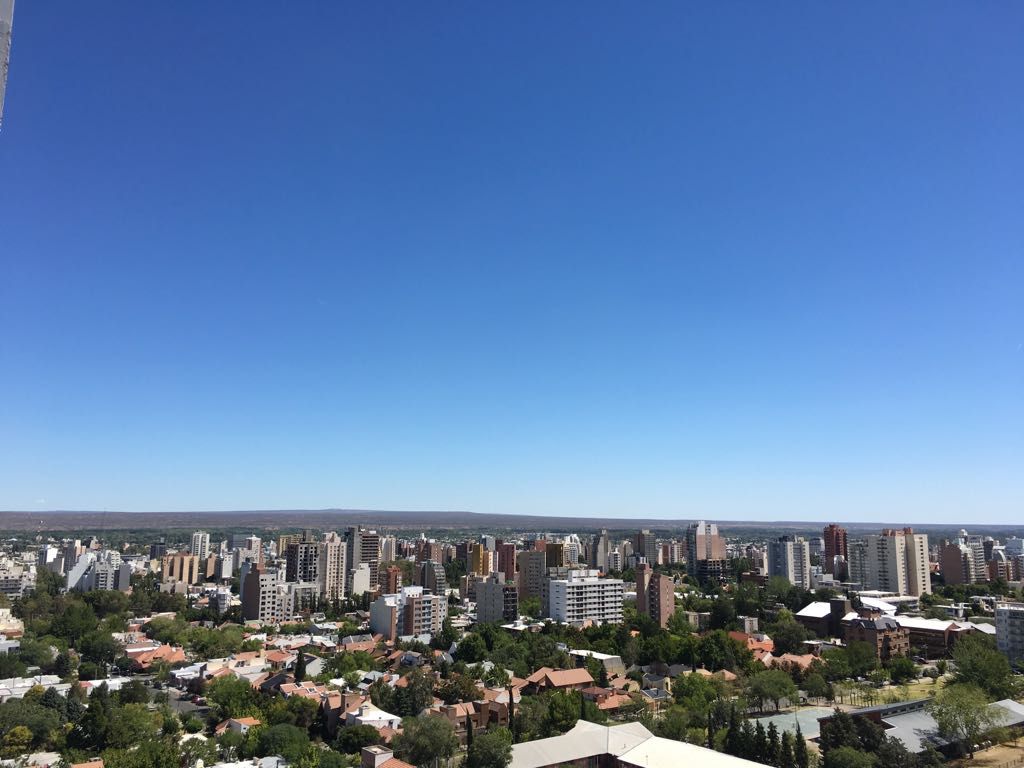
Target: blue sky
x,y
726,260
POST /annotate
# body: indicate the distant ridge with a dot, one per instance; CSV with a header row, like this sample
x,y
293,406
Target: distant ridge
x,y
85,520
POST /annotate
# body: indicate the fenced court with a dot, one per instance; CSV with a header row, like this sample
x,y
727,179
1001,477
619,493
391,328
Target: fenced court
x,y
806,717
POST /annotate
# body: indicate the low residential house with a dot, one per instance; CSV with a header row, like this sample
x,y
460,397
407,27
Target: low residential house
x,y
368,714
144,659
94,763
494,706
662,682
546,679
236,725
757,643
624,684
612,664
307,689
606,699
337,705
380,757
365,642
459,715
282,659
17,687
802,661
825,619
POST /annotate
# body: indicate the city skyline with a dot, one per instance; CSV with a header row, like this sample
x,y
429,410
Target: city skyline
x,y
675,262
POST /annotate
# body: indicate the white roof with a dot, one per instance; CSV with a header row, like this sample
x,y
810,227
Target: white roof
x,y
584,740
593,655
657,752
816,610
878,605
630,742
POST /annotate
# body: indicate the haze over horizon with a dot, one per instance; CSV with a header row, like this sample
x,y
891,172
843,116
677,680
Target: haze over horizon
x,y
684,262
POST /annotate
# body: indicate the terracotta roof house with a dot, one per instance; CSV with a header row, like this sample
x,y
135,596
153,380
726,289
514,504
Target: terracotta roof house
x,y
381,757
545,679
237,725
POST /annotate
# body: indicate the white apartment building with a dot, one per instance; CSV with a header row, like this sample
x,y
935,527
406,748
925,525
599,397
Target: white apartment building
x,y
1010,630
201,544
893,561
790,557
580,599
332,569
411,611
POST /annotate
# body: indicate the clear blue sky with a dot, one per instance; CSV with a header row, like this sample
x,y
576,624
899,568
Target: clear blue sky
x,y
729,260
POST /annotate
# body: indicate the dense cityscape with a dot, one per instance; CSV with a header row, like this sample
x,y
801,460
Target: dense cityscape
x,y
511,385
379,647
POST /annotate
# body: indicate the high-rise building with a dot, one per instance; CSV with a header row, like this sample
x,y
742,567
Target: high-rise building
x,y
331,570
661,599
577,600
555,551
429,550
646,545
183,568
201,544
302,559
598,553
496,600
507,560
431,576
643,581
261,598
835,546
893,561
704,544
532,566
411,611
479,560
1010,630
392,580
790,557
363,547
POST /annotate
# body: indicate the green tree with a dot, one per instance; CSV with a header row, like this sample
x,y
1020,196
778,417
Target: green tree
x,y
471,649
300,667
902,670
492,749
674,723
848,757
425,739
800,753
979,663
788,636
817,687
458,688
285,740
771,685
786,758
17,741
962,713
233,697
131,725
352,738
41,721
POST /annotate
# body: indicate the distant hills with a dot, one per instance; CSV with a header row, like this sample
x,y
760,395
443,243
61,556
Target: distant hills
x,y
92,520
